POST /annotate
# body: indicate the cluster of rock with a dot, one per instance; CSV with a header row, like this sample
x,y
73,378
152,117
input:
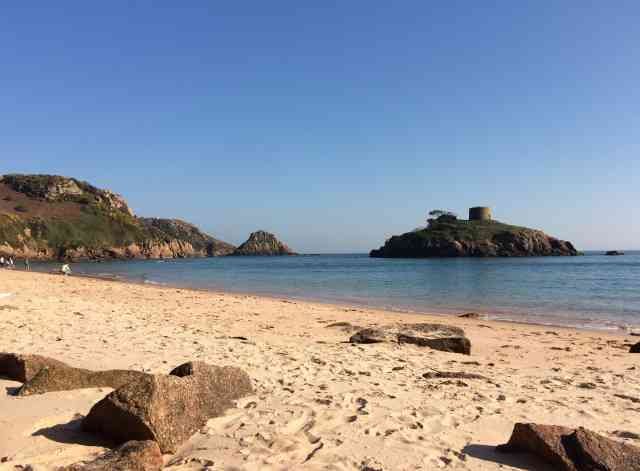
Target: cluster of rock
x,y
263,243
146,414
473,239
569,449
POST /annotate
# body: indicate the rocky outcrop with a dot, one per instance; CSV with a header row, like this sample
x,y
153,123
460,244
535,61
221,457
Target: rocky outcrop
x,y
131,456
635,348
436,336
473,239
44,217
569,449
66,378
263,243
168,408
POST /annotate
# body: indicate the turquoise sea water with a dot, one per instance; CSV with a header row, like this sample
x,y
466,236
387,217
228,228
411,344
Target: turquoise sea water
x,y
593,291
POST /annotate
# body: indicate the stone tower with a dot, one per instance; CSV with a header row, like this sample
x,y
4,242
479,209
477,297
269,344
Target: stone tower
x,y
480,213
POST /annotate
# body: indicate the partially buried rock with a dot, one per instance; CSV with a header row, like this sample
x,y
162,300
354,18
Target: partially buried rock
x,y
436,336
471,315
131,456
66,378
572,450
635,348
22,368
168,408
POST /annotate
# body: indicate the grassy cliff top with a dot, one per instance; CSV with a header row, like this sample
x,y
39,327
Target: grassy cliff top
x,y
468,230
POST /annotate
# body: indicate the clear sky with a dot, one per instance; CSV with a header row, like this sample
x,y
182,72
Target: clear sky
x,y
335,124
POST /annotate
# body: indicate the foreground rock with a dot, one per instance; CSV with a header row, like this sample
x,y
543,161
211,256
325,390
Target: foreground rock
x,y
572,450
263,243
65,378
168,409
436,336
23,368
131,456
635,348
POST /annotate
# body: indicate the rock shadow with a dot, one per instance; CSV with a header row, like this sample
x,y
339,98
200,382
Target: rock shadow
x,y
72,433
522,461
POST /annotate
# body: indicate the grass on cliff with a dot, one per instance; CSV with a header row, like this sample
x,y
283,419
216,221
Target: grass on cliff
x,y
92,229
467,230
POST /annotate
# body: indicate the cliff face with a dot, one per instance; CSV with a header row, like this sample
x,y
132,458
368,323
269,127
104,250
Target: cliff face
x,y
263,243
473,239
52,217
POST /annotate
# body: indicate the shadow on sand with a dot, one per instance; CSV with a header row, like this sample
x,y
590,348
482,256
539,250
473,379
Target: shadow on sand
x,y
72,433
516,460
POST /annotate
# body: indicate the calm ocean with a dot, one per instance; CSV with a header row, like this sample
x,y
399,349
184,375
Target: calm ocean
x,y
593,291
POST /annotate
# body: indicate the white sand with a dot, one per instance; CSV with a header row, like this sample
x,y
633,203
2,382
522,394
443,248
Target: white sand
x,y
310,383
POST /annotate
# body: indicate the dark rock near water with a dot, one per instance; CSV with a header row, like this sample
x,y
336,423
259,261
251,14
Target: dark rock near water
x,y
131,456
436,336
635,348
23,368
65,378
471,315
613,252
263,243
168,408
572,450
454,238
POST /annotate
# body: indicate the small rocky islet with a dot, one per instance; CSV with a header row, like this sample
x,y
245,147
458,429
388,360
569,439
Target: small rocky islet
x,y
479,236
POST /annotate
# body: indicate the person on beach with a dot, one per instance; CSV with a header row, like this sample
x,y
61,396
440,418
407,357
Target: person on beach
x,y
1,261
65,269
27,267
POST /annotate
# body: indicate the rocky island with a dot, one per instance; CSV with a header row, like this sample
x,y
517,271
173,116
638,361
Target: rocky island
x,y
263,243
48,217
480,236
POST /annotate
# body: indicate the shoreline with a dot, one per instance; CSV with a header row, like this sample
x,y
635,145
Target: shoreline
x,y
490,316
365,403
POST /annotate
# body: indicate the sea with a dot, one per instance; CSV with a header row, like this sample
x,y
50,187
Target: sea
x,y
593,291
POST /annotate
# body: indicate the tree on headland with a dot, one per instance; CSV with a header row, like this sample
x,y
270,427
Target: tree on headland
x,y
441,215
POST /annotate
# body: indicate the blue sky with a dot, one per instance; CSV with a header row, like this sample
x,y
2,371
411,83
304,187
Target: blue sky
x,y
334,125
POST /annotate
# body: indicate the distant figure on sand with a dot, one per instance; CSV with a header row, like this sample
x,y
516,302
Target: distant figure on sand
x,y
1,261
65,269
27,267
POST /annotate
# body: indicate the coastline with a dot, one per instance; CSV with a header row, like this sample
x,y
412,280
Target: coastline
x,y
504,316
309,381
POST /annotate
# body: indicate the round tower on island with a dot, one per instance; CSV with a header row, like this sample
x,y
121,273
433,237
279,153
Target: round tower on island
x,y
480,213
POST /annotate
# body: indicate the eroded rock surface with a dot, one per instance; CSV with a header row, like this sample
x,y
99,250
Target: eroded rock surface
x,y
131,456
436,336
572,450
65,378
168,408
22,368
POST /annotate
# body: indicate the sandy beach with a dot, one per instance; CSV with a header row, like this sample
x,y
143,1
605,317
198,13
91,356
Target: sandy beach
x,y
320,402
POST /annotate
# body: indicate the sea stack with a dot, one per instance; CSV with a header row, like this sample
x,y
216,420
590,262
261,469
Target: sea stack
x,y
263,243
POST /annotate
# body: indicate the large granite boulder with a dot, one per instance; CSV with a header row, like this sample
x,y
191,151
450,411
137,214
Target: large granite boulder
x,y
131,456
635,348
436,336
22,368
567,449
263,243
168,408
65,378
